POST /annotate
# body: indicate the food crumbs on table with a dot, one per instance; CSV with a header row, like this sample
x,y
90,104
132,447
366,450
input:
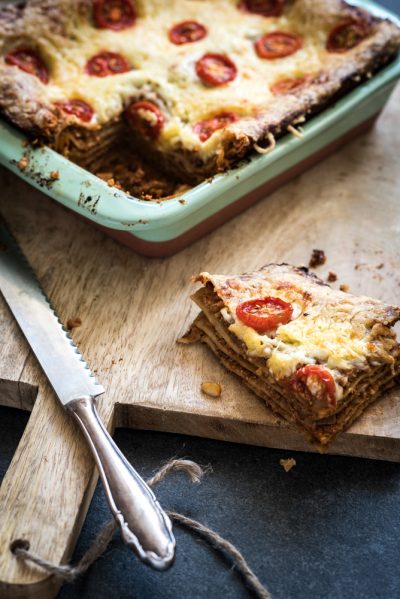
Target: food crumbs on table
x,y
318,257
73,323
344,287
54,175
288,464
332,277
23,163
110,182
182,201
211,389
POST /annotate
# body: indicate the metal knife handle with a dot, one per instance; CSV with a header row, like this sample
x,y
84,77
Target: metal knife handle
x,y
144,526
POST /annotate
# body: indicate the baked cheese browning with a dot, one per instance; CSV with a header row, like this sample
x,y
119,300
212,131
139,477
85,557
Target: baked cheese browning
x,y
322,363
197,84
320,431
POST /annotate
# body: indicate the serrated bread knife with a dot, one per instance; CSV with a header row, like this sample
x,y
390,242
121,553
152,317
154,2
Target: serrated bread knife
x,y
144,526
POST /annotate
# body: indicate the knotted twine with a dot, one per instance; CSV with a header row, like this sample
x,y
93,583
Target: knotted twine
x,y
195,473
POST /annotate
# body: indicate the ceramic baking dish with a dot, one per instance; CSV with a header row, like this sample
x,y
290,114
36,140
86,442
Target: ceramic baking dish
x,y
161,229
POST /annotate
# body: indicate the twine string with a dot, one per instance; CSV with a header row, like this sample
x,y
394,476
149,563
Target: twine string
x,y
195,473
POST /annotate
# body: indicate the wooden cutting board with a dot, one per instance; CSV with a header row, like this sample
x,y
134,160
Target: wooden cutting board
x,y
132,311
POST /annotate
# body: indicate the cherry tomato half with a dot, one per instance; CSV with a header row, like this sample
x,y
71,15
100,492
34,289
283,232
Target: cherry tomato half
x,y
29,61
82,110
277,44
215,69
106,63
187,32
264,314
289,85
347,35
265,8
146,118
114,14
316,381
206,128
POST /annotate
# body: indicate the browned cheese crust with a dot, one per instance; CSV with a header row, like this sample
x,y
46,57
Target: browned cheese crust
x,y
22,100
350,337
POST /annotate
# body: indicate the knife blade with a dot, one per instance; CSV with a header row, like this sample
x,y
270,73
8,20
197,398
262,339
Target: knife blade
x,y
144,526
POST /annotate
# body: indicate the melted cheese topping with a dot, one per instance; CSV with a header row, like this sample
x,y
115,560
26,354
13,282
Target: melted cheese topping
x,y
317,339
307,340
167,70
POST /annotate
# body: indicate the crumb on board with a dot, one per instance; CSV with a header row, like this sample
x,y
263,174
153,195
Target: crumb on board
x,y
344,287
317,258
212,389
54,175
381,265
23,163
182,201
73,323
332,277
288,464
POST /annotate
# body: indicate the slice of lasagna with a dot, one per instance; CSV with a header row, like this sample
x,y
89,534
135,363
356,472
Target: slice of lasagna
x,y
193,84
316,356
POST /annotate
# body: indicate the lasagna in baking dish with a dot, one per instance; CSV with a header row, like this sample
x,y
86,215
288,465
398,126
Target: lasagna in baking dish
x,y
192,85
316,356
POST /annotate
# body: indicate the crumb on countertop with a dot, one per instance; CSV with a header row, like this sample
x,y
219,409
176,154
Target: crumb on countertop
x,y
210,388
288,464
54,175
73,323
344,287
332,277
317,258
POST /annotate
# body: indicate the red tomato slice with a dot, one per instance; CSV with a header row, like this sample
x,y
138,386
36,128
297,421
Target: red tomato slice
x,y
114,14
206,128
289,85
82,110
106,63
347,35
316,381
29,61
264,314
265,8
187,32
277,44
146,118
215,69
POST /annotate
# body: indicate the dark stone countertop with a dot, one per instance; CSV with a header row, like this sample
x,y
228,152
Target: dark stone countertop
x,y
329,528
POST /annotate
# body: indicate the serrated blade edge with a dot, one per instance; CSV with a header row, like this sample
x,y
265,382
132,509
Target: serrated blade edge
x,y
59,357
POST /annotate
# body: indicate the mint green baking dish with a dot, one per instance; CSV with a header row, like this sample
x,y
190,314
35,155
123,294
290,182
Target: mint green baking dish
x,y
160,229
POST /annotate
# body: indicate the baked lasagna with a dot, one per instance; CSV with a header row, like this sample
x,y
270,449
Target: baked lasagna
x,y
192,85
316,356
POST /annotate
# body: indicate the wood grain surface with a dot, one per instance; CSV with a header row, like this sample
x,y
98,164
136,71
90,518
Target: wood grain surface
x,y
132,311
